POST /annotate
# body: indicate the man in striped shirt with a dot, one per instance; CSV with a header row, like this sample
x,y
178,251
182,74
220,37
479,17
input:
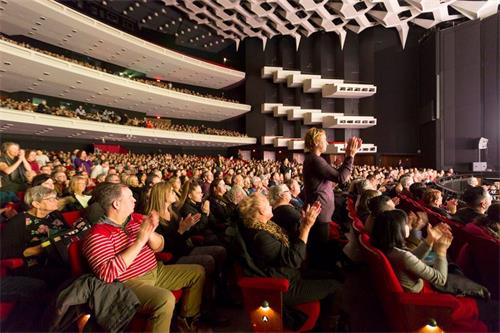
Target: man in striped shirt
x,y
121,248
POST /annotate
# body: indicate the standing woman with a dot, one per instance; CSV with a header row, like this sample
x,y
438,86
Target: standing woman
x,y
319,177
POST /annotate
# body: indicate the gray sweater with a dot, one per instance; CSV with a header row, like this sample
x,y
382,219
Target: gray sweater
x,y
411,270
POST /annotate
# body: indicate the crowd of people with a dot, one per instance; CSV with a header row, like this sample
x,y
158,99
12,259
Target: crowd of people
x,y
138,205
157,83
112,117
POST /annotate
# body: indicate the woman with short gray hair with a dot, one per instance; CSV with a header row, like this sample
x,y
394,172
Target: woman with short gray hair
x,y
28,234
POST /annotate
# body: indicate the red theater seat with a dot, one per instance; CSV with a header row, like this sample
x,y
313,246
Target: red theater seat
x,y
409,312
256,290
79,266
7,265
479,259
71,217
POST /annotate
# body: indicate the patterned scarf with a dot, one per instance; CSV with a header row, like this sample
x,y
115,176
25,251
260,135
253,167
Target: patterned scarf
x,y
275,230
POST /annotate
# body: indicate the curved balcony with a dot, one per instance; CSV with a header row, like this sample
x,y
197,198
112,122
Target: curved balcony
x,y
23,69
56,24
38,125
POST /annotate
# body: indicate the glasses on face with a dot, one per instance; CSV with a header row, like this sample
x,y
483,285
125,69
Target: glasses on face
x,y
50,198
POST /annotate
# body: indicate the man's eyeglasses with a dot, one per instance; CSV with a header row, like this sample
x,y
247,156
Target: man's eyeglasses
x,y
50,198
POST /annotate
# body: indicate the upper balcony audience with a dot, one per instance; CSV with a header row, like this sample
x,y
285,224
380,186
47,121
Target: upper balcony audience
x,y
157,83
110,116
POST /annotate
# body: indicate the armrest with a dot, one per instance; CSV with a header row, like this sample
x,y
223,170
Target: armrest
x,y
264,283
198,239
10,264
434,300
164,256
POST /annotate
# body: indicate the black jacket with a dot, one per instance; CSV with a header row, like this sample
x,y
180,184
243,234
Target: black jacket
x,y
112,304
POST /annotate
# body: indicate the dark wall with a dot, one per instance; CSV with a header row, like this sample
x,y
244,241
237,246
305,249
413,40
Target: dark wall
x,y
469,61
395,72
375,56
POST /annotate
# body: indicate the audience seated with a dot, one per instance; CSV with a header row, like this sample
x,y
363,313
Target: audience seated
x,y
284,214
477,200
192,225
277,255
175,231
488,225
114,118
433,199
144,80
377,205
32,234
121,247
362,210
192,203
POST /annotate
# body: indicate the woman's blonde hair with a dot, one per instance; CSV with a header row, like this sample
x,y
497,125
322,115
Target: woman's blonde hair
x,y
158,201
312,137
73,181
249,209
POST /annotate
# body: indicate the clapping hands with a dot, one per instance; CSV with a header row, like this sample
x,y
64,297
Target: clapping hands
x,y
186,223
353,145
310,214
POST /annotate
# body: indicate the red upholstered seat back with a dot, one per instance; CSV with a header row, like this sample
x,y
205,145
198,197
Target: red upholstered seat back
x,y
71,217
484,253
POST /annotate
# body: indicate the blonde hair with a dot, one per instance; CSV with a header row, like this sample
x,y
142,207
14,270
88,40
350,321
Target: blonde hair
x,y
312,137
158,201
74,180
430,196
249,210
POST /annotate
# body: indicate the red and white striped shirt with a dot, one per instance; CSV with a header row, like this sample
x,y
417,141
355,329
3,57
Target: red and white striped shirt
x,y
105,242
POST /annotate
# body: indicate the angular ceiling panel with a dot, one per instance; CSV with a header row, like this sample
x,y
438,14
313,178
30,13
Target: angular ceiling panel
x,y
264,19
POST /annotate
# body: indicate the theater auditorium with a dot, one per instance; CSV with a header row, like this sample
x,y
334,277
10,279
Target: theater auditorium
x,y
249,165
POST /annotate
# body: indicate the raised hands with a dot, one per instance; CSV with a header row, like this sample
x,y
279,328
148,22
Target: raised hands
x,y
186,223
452,205
310,214
353,146
148,227
442,245
205,208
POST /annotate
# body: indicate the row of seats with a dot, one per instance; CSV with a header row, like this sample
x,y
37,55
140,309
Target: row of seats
x,y
407,311
477,255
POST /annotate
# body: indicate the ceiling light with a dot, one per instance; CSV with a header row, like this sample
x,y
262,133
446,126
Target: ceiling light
x,y
210,34
104,2
131,8
197,38
176,34
137,4
143,20
182,32
166,25
149,17
160,27
188,29
155,14
195,27
124,12
163,10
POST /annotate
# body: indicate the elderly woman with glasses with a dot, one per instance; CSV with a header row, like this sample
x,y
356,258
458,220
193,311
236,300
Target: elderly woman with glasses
x,y
28,235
